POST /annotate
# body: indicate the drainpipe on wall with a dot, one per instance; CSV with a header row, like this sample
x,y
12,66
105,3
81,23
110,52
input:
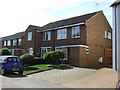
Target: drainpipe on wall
x,y
34,43
53,47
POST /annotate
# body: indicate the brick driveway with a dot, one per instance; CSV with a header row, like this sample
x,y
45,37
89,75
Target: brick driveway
x,y
103,78
70,78
63,76
80,77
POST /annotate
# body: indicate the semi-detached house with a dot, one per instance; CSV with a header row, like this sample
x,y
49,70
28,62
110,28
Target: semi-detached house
x,y
83,39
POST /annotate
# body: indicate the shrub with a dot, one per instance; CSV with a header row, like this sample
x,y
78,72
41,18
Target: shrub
x,y
53,56
5,51
27,59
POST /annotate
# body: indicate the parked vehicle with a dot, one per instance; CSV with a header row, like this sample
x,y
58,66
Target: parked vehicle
x,y
11,64
118,85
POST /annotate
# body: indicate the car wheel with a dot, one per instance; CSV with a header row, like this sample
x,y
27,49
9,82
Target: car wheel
x,y
3,71
20,72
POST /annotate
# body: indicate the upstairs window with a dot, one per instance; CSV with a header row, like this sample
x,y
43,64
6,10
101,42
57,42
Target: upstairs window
x,y
8,43
19,41
108,35
5,43
46,36
76,32
29,36
14,42
62,34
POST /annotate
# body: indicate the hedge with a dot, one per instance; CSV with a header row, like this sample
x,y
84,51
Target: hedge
x,y
5,51
27,59
53,56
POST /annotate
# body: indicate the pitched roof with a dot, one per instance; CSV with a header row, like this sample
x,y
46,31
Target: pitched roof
x,y
36,27
70,21
117,2
14,36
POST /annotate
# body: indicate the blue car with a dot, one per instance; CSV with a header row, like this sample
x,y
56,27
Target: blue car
x,y
11,64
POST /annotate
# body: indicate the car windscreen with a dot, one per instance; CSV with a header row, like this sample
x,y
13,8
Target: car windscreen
x,y
13,59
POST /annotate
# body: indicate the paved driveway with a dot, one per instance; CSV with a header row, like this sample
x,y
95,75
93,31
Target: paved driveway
x,y
47,79
69,78
103,78
63,76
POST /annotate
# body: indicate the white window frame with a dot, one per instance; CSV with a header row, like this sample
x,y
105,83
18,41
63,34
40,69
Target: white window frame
x,y
45,36
14,42
62,33
62,49
108,35
5,43
76,30
19,41
29,36
105,34
46,50
8,43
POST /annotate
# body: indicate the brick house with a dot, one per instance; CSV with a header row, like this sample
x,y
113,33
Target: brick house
x,y
14,43
32,40
83,39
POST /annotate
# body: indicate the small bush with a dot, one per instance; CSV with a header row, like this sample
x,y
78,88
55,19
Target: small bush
x,y
53,56
27,59
5,51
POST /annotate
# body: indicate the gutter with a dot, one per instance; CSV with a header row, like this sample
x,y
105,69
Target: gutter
x,y
64,26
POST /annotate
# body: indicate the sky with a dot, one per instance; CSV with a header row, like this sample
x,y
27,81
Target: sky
x,y
17,15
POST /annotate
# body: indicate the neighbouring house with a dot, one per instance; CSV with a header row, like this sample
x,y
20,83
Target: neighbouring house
x,y
14,43
116,34
86,40
32,40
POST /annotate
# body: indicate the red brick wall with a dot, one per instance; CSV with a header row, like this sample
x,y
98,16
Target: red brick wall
x,y
69,40
96,27
35,43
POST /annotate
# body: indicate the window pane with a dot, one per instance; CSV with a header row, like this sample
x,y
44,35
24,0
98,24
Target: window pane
x,y
14,42
76,32
46,35
8,43
49,35
109,35
5,43
19,41
29,36
62,34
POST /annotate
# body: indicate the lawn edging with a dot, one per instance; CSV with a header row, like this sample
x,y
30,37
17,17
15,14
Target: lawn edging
x,y
38,71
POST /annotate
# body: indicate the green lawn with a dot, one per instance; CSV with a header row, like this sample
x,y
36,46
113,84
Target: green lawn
x,y
35,68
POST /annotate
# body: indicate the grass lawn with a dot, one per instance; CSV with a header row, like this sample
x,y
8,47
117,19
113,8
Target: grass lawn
x,y
35,68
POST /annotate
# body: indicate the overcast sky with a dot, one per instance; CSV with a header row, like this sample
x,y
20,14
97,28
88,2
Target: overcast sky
x,y
17,15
